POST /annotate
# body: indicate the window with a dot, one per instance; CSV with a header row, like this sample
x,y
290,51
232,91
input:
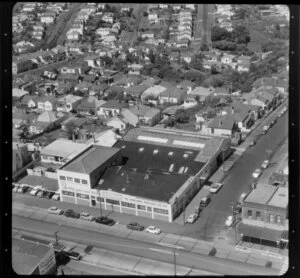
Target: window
x,y
129,205
77,180
67,193
257,214
249,213
84,181
161,211
69,179
141,207
82,196
278,219
271,218
149,209
113,202
98,199
62,178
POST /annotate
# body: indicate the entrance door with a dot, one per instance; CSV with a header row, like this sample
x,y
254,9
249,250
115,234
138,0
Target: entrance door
x,y
93,203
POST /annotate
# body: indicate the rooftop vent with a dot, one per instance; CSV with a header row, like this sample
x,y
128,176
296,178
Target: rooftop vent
x,y
185,155
170,153
123,189
155,151
146,177
141,149
123,147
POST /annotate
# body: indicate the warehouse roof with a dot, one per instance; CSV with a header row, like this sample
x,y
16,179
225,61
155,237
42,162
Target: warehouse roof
x,y
90,160
261,194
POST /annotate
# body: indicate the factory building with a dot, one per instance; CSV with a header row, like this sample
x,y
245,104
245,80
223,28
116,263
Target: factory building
x,y
150,172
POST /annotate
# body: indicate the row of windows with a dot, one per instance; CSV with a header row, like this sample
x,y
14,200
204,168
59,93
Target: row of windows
x,y
258,216
82,196
129,205
63,178
113,202
67,193
161,211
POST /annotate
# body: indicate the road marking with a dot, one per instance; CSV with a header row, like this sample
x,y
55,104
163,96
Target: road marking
x,y
163,251
170,245
284,267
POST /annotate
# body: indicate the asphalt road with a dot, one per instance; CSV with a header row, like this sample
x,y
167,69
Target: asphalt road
x,y
138,248
239,177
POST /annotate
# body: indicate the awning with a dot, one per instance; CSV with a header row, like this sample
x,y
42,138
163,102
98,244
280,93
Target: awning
x,y
260,232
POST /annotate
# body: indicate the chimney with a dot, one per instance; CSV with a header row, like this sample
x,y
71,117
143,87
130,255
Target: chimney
x,y
232,110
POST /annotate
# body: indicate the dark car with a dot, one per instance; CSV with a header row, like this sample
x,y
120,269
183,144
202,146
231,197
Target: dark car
x,y
252,143
71,213
71,254
48,195
238,208
204,202
105,220
135,226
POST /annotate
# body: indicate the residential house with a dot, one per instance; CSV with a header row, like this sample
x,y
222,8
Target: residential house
x,y
111,108
47,18
153,18
21,118
74,123
18,94
90,106
174,57
141,114
93,61
29,7
73,35
189,102
64,88
47,103
182,42
203,94
228,59
266,98
172,95
147,34
45,121
98,89
270,82
21,66
117,123
135,69
29,101
135,90
170,112
75,70
220,126
243,67
68,103
152,92
187,57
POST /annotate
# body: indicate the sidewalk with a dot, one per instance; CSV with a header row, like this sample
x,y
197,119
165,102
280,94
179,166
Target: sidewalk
x,y
224,249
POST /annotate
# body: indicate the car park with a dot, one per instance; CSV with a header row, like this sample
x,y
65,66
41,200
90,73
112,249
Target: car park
x,y
215,187
204,202
71,213
135,226
55,210
265,164
257,173
192,218
86,216
71,254
229,221
105,220
153,230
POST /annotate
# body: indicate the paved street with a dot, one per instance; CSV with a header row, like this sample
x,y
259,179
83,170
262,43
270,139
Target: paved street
x,y
81,231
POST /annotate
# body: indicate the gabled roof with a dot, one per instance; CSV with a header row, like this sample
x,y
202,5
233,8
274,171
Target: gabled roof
x,y
91,102
69,98
223,122
174,92
144,111
51,99
47,117
113,104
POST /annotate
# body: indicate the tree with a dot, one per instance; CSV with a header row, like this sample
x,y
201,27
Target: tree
x,y
240,34
219,34
145,14
204,47
181,116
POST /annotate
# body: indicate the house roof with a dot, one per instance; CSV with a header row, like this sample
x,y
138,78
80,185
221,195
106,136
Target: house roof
x,y
51,99
69,98
48,117
113,104
90,160
91,102
174,92
136,90
63,148
186,83
27,98
223,122
18,93
144,111
261,194
201,91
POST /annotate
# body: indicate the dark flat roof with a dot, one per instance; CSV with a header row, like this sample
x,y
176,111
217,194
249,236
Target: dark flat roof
x,y
146,174
46,183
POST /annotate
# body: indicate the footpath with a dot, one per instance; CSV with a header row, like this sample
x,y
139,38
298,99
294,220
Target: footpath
x,y
220,248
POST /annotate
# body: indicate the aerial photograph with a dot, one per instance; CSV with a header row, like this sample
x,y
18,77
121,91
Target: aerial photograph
x,y
150,139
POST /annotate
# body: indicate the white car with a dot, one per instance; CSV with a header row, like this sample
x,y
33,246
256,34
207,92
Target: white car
x,y
35,190
192,218
229,221
215,187
55,210
153,230
86,216
265,164
15,189
257,173
56,197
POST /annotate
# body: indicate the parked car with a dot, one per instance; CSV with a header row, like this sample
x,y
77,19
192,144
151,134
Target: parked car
x,y
40,194
257,173
192,218
204,202
22,189
237,208
265,164
105,220
152,230
86,216
56,197
229,221
35,190
135,226
72,255
48,194
71,213
55,210
15,189
252,143
197,209
215,187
